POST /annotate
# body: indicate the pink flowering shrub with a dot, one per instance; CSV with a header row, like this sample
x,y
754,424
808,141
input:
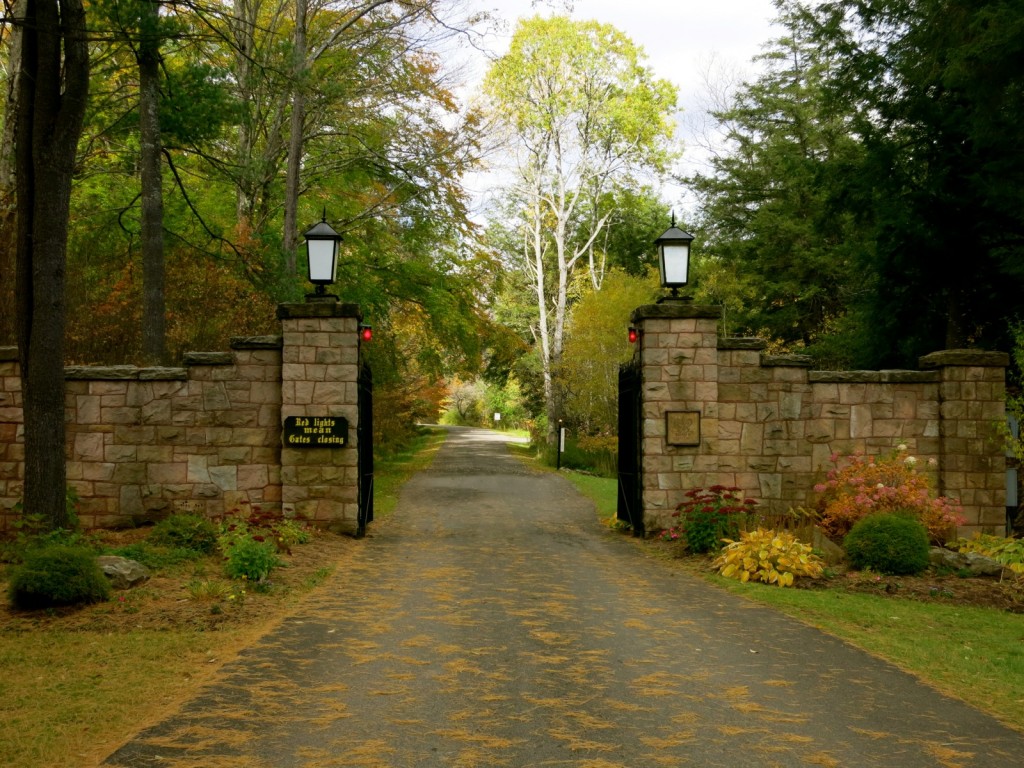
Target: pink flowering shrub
x,y
859,486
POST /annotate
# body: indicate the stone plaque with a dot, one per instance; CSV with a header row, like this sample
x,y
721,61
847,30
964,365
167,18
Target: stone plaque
x,y
682,427
315,432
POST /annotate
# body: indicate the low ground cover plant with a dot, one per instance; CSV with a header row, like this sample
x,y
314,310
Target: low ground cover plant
x,y
59,568
859,486
33,531
1006,550
251,541
772,557
185,531
247,558
153,556
597,455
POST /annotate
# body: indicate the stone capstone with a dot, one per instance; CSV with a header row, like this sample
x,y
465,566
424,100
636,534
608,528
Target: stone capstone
x,y
741,342
782,361
208,358
972,562
257,342
122,572
966,357
675,310
318,309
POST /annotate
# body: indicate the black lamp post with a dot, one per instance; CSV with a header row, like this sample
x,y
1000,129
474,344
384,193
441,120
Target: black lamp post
x,y
674,257
322,252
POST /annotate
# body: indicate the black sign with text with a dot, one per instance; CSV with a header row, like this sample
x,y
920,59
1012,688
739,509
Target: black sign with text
x,y
315,432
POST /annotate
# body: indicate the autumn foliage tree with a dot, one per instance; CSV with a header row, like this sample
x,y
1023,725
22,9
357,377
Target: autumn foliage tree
x,y
597,343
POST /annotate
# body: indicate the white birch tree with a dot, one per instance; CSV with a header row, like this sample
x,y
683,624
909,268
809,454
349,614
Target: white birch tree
x,y
581,113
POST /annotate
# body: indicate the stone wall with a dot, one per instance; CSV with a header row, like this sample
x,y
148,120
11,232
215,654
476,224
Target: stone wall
x,y
769,425
12,448
204,437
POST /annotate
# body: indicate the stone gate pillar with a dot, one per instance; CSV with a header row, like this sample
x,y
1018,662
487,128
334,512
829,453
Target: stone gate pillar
x,y
678,356
972,411
319,412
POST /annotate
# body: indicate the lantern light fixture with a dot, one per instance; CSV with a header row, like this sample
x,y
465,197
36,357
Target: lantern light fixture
x,y
634,334
674,257
322,250
366,332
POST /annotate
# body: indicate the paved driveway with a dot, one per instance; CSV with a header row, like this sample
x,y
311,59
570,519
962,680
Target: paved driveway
x,y
491,622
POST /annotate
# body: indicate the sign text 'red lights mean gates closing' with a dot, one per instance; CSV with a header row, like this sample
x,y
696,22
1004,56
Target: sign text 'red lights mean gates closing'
x,y
315,432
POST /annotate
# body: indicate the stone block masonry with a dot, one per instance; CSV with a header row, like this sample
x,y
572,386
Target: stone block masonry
x,y
205,437
769,424
319,378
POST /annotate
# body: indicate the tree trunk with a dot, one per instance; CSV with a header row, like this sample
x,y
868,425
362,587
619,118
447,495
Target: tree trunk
x,y
8,207
956,324
533,255
298,121
52,98
243,25
153,302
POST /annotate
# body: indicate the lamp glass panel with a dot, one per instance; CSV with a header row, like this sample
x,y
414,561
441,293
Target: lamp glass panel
x,y
321,261
675,262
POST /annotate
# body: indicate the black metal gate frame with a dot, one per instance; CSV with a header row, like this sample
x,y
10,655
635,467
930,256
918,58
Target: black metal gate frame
x,y
630,497
365,450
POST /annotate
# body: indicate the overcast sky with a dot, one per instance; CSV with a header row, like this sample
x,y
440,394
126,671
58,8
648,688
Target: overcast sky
x,y
685,42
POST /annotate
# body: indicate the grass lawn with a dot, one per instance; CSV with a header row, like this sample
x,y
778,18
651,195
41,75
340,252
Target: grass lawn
x,y
974,653
391,472
70,697
602,490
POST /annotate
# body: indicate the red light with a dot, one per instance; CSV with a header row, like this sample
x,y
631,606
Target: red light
x,y
366,333
633,335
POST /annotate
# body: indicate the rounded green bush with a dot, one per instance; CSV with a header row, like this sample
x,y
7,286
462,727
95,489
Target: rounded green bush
x,y
58,575
185,531
888,543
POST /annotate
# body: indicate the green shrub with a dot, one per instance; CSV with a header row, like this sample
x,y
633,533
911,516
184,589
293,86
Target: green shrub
x,y
250,559
889,543
774,557
709,516
58,575
185,531
34,531
290,532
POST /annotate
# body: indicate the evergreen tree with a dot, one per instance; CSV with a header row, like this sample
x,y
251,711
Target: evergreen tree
x,y
778,250
936,93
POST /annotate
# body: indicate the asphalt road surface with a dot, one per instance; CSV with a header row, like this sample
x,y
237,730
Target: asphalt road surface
x,y
493,622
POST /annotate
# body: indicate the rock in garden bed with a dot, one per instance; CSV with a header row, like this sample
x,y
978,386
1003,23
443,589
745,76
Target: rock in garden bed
x,y
122,572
